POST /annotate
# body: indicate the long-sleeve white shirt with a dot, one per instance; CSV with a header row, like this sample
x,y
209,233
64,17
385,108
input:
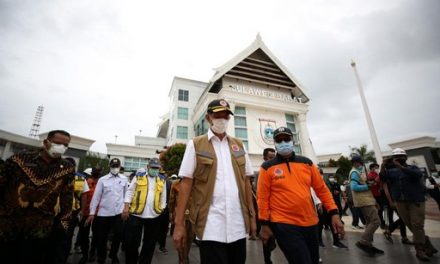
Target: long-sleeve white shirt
x,y
149,205
109,195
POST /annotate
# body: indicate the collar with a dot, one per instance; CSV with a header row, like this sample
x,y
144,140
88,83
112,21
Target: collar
x,y
211,135
291,158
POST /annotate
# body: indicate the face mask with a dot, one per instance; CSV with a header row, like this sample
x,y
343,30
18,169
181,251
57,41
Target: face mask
x,y
55,151
114,171
219,125
377,171
331,180
359,168
153,172
401,161
284,148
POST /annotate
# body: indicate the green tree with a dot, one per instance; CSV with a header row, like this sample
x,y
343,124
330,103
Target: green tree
x,y
92,160
171,158
364,153
344,165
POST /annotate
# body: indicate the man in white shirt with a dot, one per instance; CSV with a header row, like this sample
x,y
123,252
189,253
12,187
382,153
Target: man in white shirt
x,y
216,173
144,202
109,196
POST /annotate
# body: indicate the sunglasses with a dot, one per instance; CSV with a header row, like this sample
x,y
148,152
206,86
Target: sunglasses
x,y
281,139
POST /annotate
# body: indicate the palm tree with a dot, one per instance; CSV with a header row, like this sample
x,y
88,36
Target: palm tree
x,y
364,153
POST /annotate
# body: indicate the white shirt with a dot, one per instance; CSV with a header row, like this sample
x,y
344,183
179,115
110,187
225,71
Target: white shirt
x,y
429,185
109,195
149,205
85,187
225,221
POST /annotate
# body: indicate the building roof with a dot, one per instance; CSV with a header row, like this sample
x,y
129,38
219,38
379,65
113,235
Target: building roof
x,y
258,64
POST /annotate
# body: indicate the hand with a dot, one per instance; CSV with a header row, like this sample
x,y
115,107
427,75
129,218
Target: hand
x,y
338,226
265,233
89,220
125,214
179,236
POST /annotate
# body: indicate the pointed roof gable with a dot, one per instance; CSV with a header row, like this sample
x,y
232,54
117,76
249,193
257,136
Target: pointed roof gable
x,y
256,63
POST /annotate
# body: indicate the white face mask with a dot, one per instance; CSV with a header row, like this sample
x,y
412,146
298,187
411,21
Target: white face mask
x,y
219,125
55,151
114,171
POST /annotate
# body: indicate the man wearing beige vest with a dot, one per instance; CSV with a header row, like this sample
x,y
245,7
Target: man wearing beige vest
x,y
364,200
216,173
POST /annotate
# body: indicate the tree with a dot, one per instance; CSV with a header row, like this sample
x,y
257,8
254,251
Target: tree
x,y
92,160
364,153
344,165
171,158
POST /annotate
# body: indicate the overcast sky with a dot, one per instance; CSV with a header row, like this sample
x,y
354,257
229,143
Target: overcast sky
x,y
104,68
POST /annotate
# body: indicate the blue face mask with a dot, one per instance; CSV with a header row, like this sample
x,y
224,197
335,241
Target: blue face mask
x,y
153,172
284,148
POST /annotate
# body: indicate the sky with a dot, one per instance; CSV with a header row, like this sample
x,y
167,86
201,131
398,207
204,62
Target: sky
x,y
104,68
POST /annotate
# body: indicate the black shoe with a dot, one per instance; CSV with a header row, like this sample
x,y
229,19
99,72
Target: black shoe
x,y
388,236
377,251
367,248
163,250
406,241
339,245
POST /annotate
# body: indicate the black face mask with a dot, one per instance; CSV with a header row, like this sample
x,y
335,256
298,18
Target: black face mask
x,y
401,161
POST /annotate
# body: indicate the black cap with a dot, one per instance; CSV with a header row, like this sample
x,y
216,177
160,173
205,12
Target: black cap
x,y
357,158
115,162
154,163
219,105
282,131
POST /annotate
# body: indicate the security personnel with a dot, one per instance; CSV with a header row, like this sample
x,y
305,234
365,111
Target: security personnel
x,y
285,206
144,202
109,195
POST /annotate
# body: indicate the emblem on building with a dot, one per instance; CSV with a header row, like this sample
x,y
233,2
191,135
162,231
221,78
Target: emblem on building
x,y
267,127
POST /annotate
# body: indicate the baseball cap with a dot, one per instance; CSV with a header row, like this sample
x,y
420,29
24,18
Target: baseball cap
x,y
356,158
219,105
115,162
282,131
88,171
154,163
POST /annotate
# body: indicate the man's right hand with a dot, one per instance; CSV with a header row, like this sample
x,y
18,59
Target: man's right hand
x,y
89,220
265,233
179,236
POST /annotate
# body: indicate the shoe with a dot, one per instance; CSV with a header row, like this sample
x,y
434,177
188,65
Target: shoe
x,y
321,244
320,260
388,236
406,241
356,227
339,245
367,248
429,248
376,250
420,252
163,250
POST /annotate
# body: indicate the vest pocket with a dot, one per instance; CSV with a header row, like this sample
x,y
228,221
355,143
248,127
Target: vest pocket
x,y
203,168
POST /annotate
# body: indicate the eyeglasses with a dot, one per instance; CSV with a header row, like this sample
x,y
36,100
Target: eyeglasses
x,y
281,139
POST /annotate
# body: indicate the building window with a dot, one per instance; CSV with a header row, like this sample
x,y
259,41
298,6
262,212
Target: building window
x,y
182,113
201,126
183,95
182,132
290,123
241,125
132,164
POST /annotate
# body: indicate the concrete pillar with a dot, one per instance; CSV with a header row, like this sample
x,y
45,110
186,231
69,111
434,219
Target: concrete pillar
x,y
304,138
6,152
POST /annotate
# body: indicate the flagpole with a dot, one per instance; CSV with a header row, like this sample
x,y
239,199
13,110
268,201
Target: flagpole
x,y
373,136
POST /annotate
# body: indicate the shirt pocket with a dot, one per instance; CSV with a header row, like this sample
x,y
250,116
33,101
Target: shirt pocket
x,y
108,187
203,168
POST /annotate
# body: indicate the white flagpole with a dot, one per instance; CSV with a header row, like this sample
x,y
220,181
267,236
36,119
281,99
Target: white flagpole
x,y
373,136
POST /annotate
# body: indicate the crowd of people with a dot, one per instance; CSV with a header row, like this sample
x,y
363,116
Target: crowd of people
x,y
215,201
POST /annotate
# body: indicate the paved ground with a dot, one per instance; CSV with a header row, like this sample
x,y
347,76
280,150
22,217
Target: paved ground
x,y
394,253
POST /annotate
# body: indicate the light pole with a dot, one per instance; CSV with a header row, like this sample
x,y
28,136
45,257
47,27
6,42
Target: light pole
x,y
373,136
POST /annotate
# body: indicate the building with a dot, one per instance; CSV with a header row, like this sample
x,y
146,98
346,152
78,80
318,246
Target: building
x,y
262,93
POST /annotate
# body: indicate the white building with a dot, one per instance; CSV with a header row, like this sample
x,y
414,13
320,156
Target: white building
x,y
262,93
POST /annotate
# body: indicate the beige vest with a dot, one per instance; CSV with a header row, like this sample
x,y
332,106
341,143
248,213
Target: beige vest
x,y
364,198
204,180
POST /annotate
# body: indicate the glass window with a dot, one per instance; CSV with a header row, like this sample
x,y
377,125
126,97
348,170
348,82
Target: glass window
x,y
246,144
240,121
132,164
239,110
182,132
241,133
290,123
182,113
183,95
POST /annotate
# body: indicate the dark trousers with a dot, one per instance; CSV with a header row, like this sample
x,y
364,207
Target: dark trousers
x,y
381,203
84,233
357,215
25,251
164,220
267,250
133,237
393,225
325,219
214,252
299,244
103,225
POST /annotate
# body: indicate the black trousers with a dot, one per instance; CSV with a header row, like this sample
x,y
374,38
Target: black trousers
x,y
103,225
326,219
133,237
299,244
24,251
164,220
214,252
393,225
84,233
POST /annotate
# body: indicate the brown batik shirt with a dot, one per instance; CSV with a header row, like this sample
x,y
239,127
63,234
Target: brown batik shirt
x,y
29,190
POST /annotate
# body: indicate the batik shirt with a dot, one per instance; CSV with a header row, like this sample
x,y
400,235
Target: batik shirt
x,y
29,189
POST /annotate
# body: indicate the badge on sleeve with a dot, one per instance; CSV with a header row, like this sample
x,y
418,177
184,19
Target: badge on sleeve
x,y
235,148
